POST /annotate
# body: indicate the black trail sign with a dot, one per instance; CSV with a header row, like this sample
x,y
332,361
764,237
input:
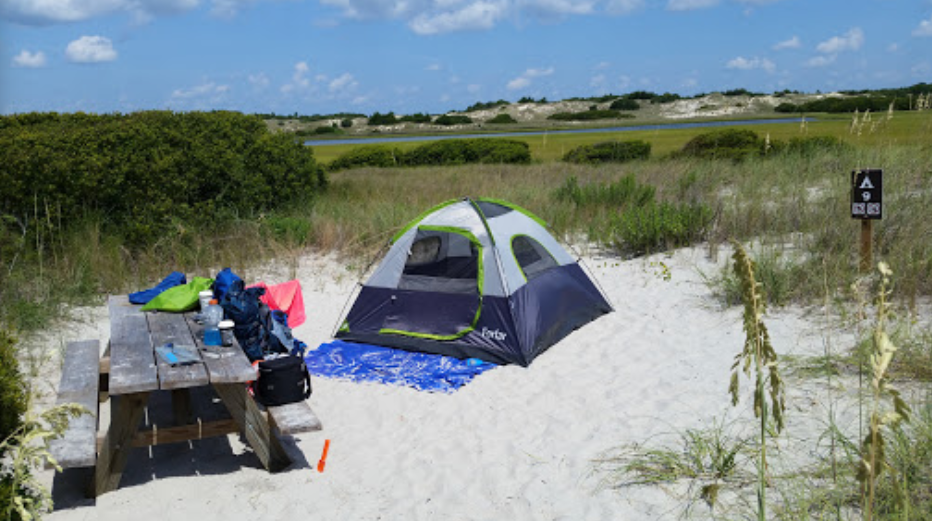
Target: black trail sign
x,y
867,194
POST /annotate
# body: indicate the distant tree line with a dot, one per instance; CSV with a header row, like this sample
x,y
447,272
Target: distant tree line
x,y
312,118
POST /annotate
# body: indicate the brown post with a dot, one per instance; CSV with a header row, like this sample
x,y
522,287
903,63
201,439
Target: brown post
x,y
867,233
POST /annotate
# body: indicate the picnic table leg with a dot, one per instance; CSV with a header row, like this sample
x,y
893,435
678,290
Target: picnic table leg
x,y
124,422
181,406
254,425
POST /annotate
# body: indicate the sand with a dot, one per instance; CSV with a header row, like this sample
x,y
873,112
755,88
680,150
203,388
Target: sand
x,y
516,443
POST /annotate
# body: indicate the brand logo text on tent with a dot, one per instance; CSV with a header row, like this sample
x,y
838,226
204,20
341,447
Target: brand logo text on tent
x,y
493,333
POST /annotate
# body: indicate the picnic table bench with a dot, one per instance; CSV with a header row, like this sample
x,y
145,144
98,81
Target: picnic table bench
x,y
130,371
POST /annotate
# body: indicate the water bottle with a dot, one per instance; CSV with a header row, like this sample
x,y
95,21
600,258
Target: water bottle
x,y
212,317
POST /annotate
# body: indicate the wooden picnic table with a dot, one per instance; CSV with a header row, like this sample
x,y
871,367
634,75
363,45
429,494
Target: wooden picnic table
x,y
136,372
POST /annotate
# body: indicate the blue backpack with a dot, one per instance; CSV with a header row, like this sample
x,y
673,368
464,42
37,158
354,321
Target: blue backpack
x,y
252,321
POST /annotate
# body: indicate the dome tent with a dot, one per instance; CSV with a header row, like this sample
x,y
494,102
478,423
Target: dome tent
x,y
476,278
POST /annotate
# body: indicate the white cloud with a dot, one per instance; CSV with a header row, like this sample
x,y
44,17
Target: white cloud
x,y
473,88
206,90
524,80
259,81
601,66
559,7
690,5
537,73
745,64
921,69
893,47
820,61
343,82
299,79
597,81
850,41
792,43
433,67
478,15
91,49
44,12
621,7
29,60
924,29
518,83
228,8
430,17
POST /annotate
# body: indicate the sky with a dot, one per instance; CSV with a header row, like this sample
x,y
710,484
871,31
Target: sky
x,y
433,56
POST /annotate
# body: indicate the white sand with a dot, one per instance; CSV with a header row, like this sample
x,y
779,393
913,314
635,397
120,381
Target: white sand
x,y
515,443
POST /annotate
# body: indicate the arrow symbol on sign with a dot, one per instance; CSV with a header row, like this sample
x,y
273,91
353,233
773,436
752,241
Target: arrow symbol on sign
x,y
866,184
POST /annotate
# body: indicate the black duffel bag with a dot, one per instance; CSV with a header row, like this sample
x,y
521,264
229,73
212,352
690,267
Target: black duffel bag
x,y
282,380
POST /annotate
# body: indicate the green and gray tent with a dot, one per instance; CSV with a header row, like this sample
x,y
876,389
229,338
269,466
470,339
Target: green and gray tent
x,y
476,278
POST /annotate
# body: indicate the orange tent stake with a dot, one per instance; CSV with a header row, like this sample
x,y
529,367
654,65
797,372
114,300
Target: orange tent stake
x,y
323,457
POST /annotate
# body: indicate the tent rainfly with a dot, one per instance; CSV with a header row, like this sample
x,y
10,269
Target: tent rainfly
x,y
476,278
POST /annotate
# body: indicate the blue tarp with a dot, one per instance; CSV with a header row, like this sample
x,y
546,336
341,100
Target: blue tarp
x,y
368,363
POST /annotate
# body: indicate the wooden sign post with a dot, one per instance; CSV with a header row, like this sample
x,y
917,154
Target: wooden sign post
x,y
867,205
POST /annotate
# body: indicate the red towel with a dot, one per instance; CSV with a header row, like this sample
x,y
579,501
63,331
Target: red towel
x,y
285,297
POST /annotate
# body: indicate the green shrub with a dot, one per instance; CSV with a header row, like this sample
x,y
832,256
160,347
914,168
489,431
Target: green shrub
x,y
346,123
502,119
12,388
462,151
625,104
666,97
12,407
149,171
327,129
724,144
609,151
660,226
485,106
377,119
416,118
368,155
588,115
641,95
447,120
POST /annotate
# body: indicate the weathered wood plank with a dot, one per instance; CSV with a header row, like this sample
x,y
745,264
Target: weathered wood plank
x,y
172,327
254,426
294,418
124,423
225,365
179,433
79,380
132,360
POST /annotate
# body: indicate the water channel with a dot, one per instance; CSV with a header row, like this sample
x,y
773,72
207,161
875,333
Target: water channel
x,y
661,126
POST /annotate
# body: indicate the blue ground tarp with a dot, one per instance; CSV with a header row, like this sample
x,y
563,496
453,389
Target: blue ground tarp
x,y
368,363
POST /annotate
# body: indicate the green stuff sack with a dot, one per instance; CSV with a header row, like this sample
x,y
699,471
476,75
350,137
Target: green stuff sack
x,y
180,298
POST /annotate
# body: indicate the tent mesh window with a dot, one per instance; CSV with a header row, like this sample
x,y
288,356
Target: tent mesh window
x,y
490,209
443,262
531,255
